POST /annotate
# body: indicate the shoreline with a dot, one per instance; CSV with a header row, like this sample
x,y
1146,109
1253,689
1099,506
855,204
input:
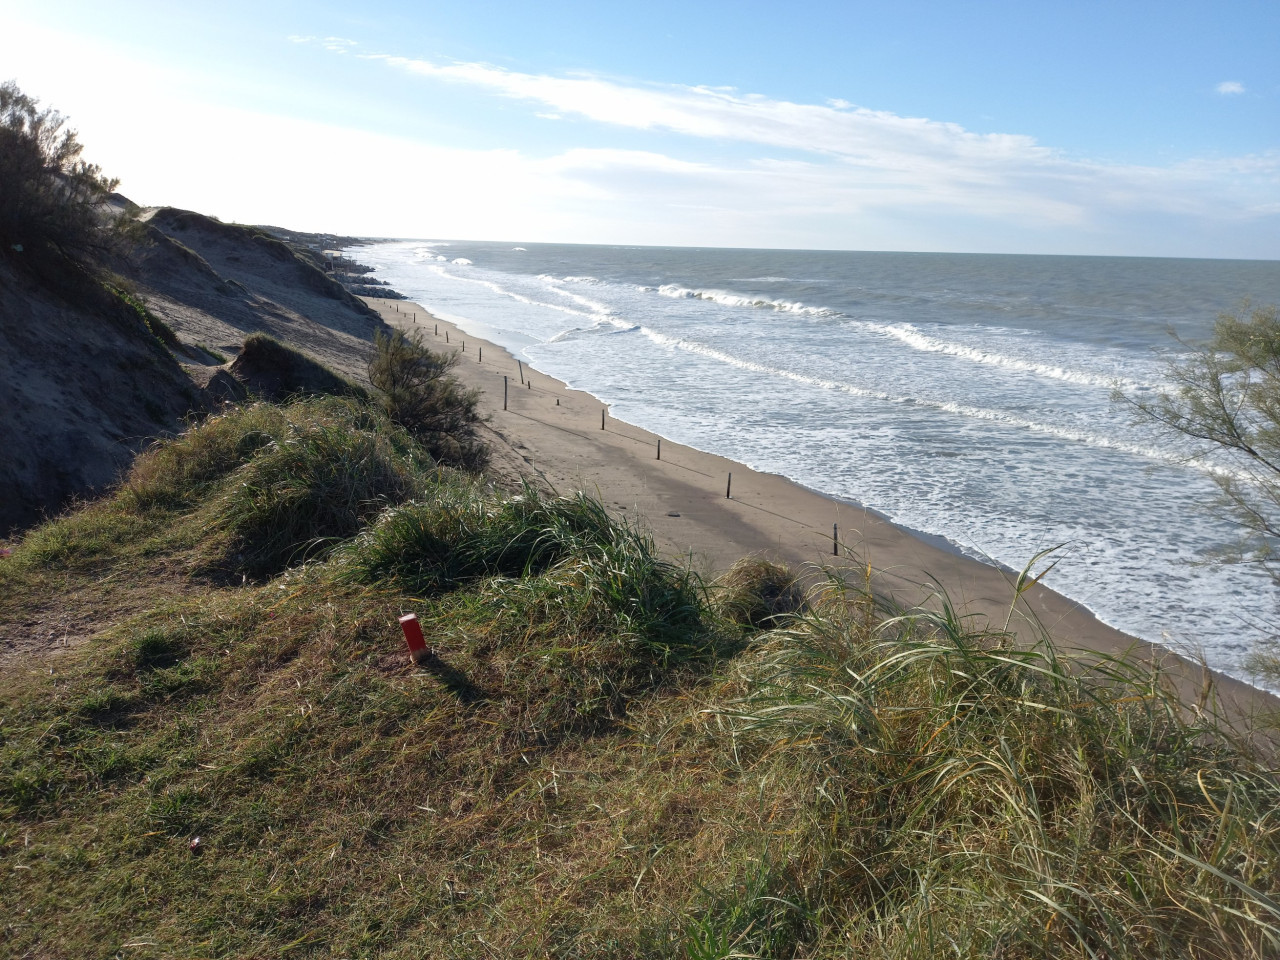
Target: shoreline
x,y
554,433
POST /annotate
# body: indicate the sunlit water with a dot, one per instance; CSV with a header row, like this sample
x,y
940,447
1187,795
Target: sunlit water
x,y
965,396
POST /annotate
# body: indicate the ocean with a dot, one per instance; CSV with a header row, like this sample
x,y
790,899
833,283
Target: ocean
x,y
965,396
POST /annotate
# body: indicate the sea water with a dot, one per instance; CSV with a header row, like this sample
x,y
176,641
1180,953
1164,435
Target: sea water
x,y
965,396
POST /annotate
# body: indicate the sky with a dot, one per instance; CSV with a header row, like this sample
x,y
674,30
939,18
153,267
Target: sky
x,y
1116,128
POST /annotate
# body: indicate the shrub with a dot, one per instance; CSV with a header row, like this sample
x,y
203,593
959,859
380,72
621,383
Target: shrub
x,y
299,495
51,204
417,391
758,593
277,372
1225,399
458,534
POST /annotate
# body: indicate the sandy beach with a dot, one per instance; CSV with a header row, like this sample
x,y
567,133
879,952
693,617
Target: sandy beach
x,y
715,511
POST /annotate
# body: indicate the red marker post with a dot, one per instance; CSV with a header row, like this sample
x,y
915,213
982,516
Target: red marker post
x,y
413,636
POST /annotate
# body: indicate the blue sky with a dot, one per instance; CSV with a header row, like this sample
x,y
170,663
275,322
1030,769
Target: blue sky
x,y
1089,128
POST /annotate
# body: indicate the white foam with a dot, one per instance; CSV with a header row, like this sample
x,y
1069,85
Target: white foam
x,y
519,297
963,410
462,262
597,309
910,335
730,299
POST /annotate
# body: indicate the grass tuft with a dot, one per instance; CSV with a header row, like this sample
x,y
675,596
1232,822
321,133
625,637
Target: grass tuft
x,y
756,592
297,497
279,372
974,798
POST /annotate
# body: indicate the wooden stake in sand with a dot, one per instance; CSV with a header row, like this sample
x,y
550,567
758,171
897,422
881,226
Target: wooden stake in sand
x,y
504,391
601,419
728,487
835,539
446,336
520,367
659,448
479,354
437,329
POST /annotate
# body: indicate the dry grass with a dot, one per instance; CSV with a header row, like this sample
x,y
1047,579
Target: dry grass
x,y
598,760
757,592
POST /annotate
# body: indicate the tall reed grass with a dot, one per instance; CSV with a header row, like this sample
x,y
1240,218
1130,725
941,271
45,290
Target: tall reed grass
x,y
969,798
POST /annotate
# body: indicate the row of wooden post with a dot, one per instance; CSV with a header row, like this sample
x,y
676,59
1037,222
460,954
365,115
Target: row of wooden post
x,y
728,487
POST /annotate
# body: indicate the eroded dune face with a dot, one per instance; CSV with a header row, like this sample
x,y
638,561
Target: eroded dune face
x,y
216,283
85,382
83,385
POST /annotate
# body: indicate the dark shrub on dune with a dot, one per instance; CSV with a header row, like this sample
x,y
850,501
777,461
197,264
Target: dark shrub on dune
x,y
418,392
52,205
275,371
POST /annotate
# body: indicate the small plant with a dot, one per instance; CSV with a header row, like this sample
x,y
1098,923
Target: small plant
x,y
417,391
162,332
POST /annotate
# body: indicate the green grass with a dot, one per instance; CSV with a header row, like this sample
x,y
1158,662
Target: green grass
x,y
221,358
602,757
279,372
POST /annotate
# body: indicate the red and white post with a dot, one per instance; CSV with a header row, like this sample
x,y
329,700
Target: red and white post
x,y
418,651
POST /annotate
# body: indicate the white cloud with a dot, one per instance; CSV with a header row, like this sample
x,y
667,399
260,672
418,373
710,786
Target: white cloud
x,y
332,44
867,159
837,128
1228,87
813,176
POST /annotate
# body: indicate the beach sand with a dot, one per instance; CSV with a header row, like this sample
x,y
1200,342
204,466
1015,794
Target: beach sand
x,y
553,434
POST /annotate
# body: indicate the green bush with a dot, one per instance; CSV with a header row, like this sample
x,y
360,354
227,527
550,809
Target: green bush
x,y
457,534
296,497
278,372
417,391
176,473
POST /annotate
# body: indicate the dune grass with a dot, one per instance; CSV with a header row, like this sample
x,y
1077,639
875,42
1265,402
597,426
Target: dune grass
x,y
276,371
603,756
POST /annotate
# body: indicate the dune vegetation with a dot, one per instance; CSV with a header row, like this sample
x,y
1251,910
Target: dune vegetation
x,y
604,755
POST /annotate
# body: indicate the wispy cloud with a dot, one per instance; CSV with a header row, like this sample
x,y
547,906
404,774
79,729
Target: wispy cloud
x,y
871,159
837,128
332,44
1229,87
